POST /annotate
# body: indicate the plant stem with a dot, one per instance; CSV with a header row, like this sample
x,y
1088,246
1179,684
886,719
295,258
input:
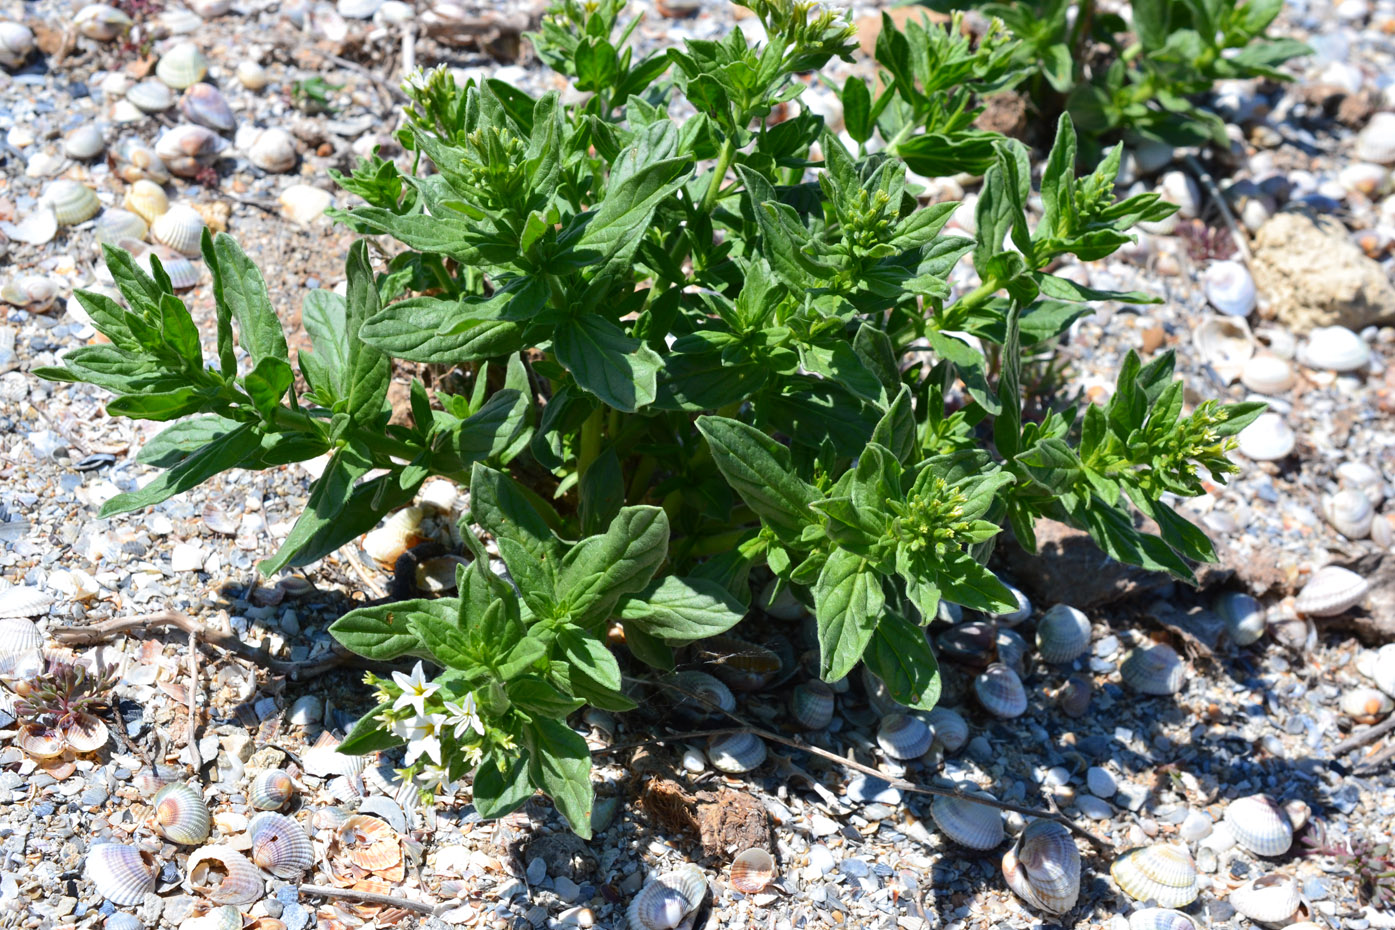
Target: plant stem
x,y
590,441
714,187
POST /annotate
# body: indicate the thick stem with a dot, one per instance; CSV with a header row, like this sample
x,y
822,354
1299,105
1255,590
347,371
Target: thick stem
x,y
590,440
714,188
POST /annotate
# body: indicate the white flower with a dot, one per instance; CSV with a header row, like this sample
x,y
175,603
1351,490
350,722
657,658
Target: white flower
x,y
463,717
436,779
423,734
415,690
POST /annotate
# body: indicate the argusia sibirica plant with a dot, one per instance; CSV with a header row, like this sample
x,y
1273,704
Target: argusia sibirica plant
x,y
698,347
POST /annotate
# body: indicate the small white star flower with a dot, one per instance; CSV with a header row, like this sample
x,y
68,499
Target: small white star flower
x,y
423,734
415,690
464,717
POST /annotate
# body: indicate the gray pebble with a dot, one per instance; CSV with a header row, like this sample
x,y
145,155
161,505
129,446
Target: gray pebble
x,y
1100,782
1314,889
1093,807
287,894
1131,796
295,917
979,748
566,889
866,790
1056,776
537,870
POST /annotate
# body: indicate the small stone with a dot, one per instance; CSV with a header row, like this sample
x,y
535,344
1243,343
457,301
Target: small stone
x,y
307,710
537,871
1196,826
1056,776
822,826
1093,807
295,916
694,760
287,894
821,859
1132,796
1100,782
566,889
867,790
186,557
178,908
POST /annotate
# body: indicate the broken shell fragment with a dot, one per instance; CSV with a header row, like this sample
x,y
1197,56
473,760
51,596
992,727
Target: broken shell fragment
x,y
224,876
386,544
1270,899
187,149
743,666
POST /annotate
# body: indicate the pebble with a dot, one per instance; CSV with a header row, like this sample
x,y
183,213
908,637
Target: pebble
x,y
821,859
865,790
537,870
1131,795
1100,782
822,826
186,557
566,889
308,709
295,916
1092,807
1196,826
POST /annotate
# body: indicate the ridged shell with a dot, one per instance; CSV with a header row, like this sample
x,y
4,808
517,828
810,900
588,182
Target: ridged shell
x,y
72,202
1260,825
280,845
1043,867
181,816
1332,590
123,875
370,842
180,227
1074,696
123,921
950,729
147,200
85,733
133,159
327,761
182,272
973,826
224,876
1160,918
34,291
151,96
973,644
202,104
270,790
1021,612
1269,899
1243,617
16,44
1350,512
1267,374
1334,348
704,692
1153,668
1376,142
1229,288
743,666
273,151
665,902
84,142
902,736
1268,439
116,224
386,543
736,752
1063,634
811,705
1000,691
40,742
1164,874
182,66
19,601
1366,705
101,22
752,871
20,643
187,149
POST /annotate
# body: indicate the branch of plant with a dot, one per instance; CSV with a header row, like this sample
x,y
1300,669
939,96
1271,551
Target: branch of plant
x,y
195,762
1364,737
373,897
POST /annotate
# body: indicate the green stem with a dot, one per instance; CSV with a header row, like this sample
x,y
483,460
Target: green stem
x,y
559,296
902,135
590,440
714,188
969,301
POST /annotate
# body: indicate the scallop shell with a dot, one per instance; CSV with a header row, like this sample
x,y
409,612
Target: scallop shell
x,y
72,202
16,44
150,96
1153,668
973,826
123,921
280,845
180,227
1260,825
1160,918
40,742
699,693
902,736
182,66
1269,899
811,705
752,871
188,149
1074,696
20,640
116,224
202,104
1267,439
181,816
1243,617
1229,288
133,159
123,875
1366,705
1165,874
84,142
950,729
736,752
665,902
224,876
1000,691
270,790
1267,374
974,644
1350,512
1332,590
182,272
101,22
743,666
1043,867
85,733
386,544
273,151
1334,348
147,200
252,75
1063,634
23,601
1376,142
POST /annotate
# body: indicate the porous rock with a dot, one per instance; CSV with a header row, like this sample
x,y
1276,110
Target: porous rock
x,y
731,822
1312,274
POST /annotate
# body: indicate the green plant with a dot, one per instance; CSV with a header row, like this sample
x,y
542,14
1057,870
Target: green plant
x,y
312,94
682,373
61,707
1371,864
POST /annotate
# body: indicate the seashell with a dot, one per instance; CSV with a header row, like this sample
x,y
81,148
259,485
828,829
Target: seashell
x,y
1043,867
273,150
971,825
23,601
1229,288
280,845
1153,668
122,921
252,75
1366,705
16,44
1267,374
20,644
1376,142
85,733
304,203
325,761
1334,348
227,917
1298,813
1365,178
743,666
1013,650
1063,634
134,160
72,202
270,790
1243,616
1165,874
147,200
1179,188
879,696
116,224
210,9
224,876
736,752
34,291
752,871
188,149
370,842
151,96
973,644
182,272
38,227
1022,611
666,902
811,705
101,22
84,142
1074,696
902,736
1332,590
397,534
202,104
1000,691
40,741
1224,343
1363,476
950,729
1267,439
180,227
1160,918
1383,669
183,65
181,816
1350,513
1260,825
1269,899
123,875
704,693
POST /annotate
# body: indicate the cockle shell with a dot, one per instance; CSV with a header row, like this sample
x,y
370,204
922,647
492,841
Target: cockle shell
x,y
41,742
20,639
147,200
665,902
1229,288
123,875
84,142
1012,650
133,159
1021,612
736,752
85,733
1267,374
101,22
182,66
811,705
1332,590
1260,825
182,272
1224,343
1243,617
116,224
1269,899
743,666
273,151
370,842
252,75
752,871
151,96
1350,512
1043,867
202,104
123,921
16,44
181,816
224,876
34,291
1267,439
71,201
974,644
1376,142
1334,348
700,693
399,532
1366,705
1165,874
1063,634
180,227
1160,918
1000,691
950,729
1074,696
270,790
902,736
24,601
1153,668
280,845
971,825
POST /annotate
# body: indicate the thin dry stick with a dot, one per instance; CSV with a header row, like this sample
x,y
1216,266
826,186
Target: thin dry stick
x,y
359,569
1375,760
1364,737
194,759
371,897
1242,243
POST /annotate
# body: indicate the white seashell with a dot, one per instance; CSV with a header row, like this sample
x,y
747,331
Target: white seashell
x,y
179,21
1350,513
210,9
1365,178
1260,825
224,876
182,272
37,228
123,921
1383,530
440,497
24,601
811,705
101,22
1165,874
358,9
1153,668
147,200
950,729
399,532
1383,669
971,825
1000,691
1160,918
1332,590
1063,634
135,160
902,736
1270,899
752,871
252,75
327,761
1224,343
1043,867
394,13
188,149
16,44
116,224
1179,188
1335,348
665,902
1267,374
84,142
180,227
21,645
35,292
181,816
1229,288
1243,615
71,201
1366,705
273,150
182,66
123,875
1376,142
1267,439
44,164
202,104
736,752
280,845
151,96
1363,476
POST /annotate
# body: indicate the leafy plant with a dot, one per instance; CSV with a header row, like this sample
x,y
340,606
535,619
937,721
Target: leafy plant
x,y
697,349
312,94
1371,864
62,706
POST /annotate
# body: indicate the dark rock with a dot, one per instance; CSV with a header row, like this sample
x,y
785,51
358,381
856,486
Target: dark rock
x,y
1070,569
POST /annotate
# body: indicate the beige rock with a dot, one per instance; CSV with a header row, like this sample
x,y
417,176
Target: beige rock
x,y
1312,275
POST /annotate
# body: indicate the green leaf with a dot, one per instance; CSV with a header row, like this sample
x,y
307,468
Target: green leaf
x,y
900,656
599,570
969,584
970,365
440,632
498,504
648,649
857,109
497,792
759,469
369,369
328,500
848,602
324,314
590,656
160,406
681,610
559,762
538,697
384,632
238,286
369,734
218,455
602,492
267,384
444,332
617,368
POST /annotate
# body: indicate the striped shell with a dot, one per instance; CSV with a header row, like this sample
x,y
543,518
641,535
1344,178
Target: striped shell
x,y
147,200
1350,512
752,871
1043,867
1164,874
973,826
743,666
371,842
72,202
116,224
1000,691
202,104
704,692
902,736
150,96
124,921
1269,899
123,875
1332,590
950,729
1160,918
181,816
181,271
182,66
399,532
666,902
1260,825
736,752
40,742
85,733
18,634
101,22
325,761
1243,617
270,790
878,695
1063,634
280,845
1153,668
1366,705
180,227
23,601
811,705
973,644
133,159
224,876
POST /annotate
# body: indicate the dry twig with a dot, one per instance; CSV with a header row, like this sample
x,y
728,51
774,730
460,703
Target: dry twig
x,y
372,897
194,759
1364,737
